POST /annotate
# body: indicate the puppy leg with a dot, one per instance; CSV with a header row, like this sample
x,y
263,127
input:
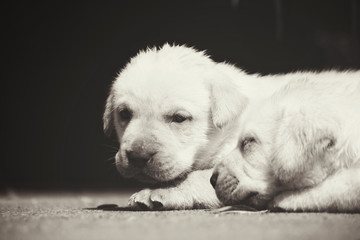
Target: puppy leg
x,y
338,193
194,192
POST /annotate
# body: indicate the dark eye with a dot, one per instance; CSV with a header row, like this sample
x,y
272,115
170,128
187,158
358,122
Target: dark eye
x,y
125,114
178,118
246,143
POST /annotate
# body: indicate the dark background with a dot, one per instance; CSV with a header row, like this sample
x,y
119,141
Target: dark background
x,y
61,57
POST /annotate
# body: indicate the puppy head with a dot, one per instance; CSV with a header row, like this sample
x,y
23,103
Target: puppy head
x,y
278,150
164,107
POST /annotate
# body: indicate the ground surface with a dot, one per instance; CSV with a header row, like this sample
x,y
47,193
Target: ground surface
x,y
74,215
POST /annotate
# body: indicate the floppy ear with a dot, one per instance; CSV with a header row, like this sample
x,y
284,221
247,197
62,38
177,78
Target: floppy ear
x,y
299,143
108,118
227,101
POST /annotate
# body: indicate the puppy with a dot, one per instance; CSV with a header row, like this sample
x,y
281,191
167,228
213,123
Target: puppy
x,y
173,111
298,150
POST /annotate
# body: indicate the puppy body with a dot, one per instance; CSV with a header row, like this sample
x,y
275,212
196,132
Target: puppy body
x,y
299,148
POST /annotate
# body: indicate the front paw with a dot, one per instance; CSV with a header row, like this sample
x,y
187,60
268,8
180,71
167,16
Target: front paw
x,y
160,199
141,200
287,202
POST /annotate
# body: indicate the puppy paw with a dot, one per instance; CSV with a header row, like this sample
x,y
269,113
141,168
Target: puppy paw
x,y
160,199
289,202
141,200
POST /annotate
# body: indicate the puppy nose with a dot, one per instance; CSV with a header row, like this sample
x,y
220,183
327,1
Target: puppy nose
x,y
138,158
213,179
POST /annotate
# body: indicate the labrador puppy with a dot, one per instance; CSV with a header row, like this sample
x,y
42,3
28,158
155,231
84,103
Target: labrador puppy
x,y
173,111
298,150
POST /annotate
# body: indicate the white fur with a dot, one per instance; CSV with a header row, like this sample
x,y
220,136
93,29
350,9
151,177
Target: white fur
x,y
160,82
306,156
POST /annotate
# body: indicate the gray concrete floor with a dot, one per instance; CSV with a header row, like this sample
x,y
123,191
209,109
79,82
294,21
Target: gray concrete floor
x,y
73,215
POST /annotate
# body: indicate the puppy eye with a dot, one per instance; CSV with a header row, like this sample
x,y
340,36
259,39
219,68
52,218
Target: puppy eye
x,y
178,118
246,144
125,114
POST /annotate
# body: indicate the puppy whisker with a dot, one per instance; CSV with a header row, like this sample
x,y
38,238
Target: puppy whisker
x,y
110,159
111,147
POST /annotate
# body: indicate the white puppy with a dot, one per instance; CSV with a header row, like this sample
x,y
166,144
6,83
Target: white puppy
x,y
173,111
298,150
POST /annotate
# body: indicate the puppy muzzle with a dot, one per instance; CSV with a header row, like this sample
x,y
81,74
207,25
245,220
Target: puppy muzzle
x,y
140,153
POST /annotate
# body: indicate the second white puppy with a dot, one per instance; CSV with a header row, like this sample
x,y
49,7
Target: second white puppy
x,y
298,150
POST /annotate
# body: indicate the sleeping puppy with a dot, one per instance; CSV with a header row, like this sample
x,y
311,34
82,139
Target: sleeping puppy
x,y
298,150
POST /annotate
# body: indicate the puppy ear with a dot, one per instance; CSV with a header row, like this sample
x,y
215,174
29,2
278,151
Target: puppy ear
x,y
108,118
227,101
300,142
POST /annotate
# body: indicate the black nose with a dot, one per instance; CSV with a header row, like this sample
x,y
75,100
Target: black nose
x,y
138,158
213,179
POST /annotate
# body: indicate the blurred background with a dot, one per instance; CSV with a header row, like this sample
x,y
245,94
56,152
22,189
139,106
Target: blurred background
x,y
60,58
